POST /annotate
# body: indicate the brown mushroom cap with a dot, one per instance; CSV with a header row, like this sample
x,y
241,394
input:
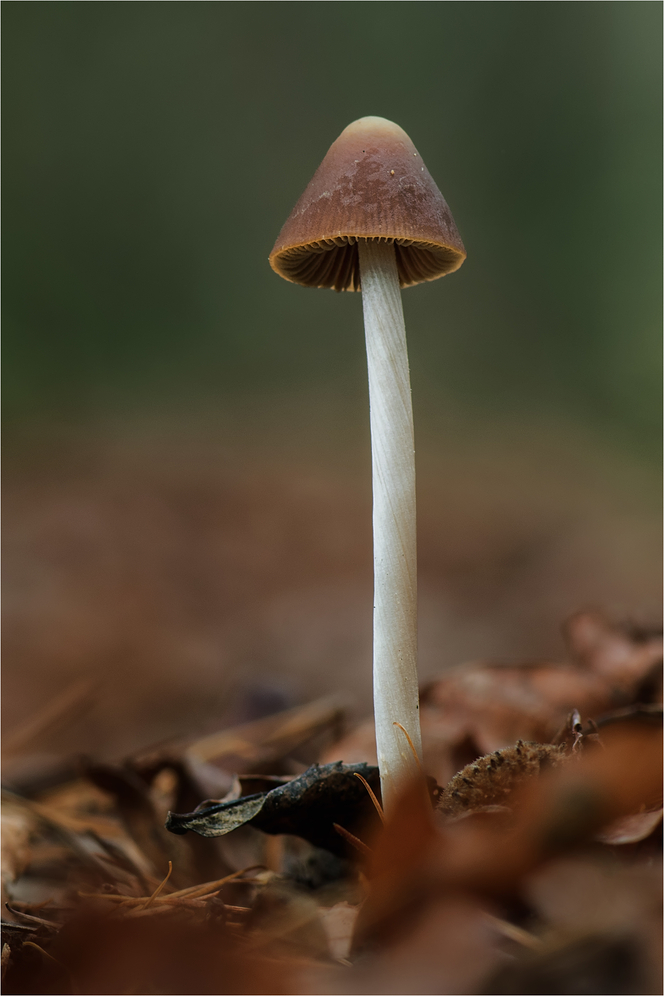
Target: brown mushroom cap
x,y
371,185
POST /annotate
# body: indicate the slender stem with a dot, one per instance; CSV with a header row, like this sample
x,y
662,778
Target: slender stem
x,y
396,697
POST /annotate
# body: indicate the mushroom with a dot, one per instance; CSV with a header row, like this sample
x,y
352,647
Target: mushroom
x,y
373,219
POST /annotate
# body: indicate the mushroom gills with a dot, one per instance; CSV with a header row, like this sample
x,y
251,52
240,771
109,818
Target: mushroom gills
x,y
335,263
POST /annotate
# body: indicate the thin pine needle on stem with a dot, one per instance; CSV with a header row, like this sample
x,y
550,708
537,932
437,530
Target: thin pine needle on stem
x,y
379,808
412,747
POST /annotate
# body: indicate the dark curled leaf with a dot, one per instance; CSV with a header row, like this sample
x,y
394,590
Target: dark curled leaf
x,y
307,806
220,819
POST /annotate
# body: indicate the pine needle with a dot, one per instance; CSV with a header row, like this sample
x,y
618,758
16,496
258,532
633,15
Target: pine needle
x,y
379,808
353,840
160,887
412,747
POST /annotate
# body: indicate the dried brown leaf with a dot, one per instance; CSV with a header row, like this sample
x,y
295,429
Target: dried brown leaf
x,y
631,829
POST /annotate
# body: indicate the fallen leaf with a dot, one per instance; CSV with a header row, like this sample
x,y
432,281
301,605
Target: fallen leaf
x,y
307,806
630,829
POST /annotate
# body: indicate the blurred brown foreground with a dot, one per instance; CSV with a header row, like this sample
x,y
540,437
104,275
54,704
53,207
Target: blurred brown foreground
x,y
536,870
168,609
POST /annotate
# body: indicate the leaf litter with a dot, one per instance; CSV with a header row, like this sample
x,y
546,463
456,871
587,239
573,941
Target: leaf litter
x,y
526,860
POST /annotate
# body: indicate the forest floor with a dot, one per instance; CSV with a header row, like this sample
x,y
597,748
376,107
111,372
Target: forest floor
x,y
188,632
528,862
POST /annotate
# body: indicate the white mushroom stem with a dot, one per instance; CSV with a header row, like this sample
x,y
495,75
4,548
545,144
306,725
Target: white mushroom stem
x,y
396,698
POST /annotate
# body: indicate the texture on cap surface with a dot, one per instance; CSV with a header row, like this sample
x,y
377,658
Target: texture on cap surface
x,y
372,184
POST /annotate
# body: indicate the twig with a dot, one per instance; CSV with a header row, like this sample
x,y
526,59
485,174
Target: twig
x,y
34,919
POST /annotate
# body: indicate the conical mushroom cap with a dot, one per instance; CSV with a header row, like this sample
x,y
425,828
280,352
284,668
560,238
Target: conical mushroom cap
x,y
372,184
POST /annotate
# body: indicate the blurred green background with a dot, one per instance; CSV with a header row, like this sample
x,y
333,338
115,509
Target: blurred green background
x,y
187,467
153,151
